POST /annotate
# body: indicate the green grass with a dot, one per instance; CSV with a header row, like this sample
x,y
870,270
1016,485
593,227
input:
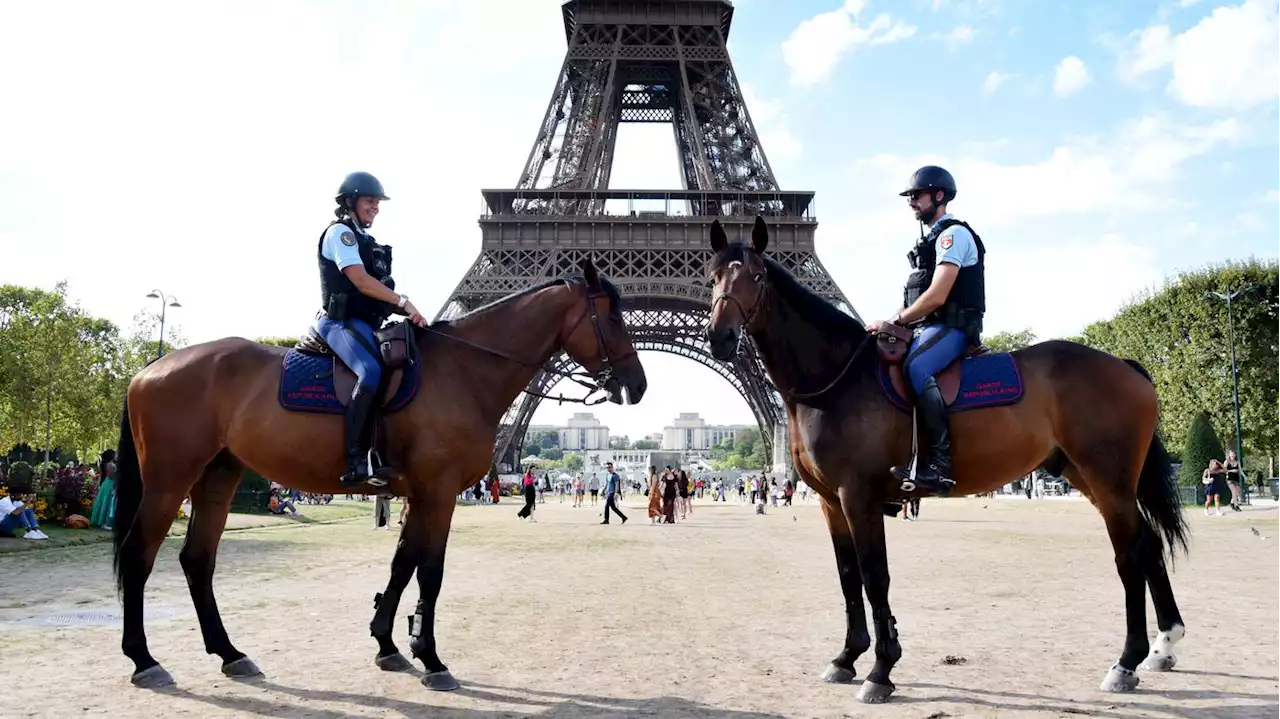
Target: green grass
x,y
60,537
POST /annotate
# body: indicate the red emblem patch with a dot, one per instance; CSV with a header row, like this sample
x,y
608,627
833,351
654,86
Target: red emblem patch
x,y
946,242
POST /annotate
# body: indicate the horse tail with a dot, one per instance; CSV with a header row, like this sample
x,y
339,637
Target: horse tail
x,y
128,492
1158,495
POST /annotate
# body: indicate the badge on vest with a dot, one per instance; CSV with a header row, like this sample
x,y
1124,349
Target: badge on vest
x,y
349,239
945,243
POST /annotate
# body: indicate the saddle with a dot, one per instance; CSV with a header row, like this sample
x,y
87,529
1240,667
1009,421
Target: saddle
x,y
892,343
396,352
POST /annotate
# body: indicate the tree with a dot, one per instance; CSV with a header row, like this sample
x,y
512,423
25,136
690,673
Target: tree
x,y
1202,446
552,453
573,462
1181,338
547,438
1010,341
644,444
286,342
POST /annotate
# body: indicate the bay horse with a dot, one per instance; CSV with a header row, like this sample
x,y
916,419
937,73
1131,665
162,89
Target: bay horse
x,y
1084,414
197,417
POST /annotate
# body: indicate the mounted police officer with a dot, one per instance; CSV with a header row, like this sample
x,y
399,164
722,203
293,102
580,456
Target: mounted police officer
x,y
357,295
943,302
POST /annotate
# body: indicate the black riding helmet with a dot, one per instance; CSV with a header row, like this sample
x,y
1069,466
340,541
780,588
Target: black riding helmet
x,y
931,177
360,184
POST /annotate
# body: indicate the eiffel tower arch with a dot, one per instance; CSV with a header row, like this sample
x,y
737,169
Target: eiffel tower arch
x,y
647,61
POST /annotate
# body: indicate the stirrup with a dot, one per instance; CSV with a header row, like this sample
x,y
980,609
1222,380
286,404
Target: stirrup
x,y
940,486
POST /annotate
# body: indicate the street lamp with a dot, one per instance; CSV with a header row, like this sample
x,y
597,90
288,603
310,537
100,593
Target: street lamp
x,y
165,301
1235,378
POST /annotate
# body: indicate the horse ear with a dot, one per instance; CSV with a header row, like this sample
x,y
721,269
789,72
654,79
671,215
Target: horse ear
x,y
759,236
589,273
718,239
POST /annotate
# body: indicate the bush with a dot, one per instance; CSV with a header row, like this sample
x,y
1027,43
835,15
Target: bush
x,y
20,475
1202,446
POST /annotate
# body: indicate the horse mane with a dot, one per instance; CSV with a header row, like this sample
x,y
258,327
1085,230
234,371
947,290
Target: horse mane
x,y
615,298
808,303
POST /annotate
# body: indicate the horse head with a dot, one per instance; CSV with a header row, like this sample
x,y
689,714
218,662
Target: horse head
x,y
738,275
595,336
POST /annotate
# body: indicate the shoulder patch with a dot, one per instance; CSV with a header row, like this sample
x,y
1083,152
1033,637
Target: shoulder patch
x,y
349,239
945,243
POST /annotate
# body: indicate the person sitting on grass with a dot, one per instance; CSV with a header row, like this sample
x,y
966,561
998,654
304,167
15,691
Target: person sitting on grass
x,y
16,515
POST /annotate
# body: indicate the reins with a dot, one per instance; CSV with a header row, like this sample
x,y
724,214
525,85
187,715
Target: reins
x,y
582,378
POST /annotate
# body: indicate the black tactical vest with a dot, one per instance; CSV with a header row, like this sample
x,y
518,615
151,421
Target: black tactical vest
x,y
967,300
339,296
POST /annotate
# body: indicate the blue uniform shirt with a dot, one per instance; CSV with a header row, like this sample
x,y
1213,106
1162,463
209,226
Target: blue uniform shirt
x,y
340,246
611,483
956,245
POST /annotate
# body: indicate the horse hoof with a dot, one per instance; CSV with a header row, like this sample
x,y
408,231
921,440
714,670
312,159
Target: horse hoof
x,y
441,681
242,668
152,678
393,663
838,675
1159,663
1119,679
873,693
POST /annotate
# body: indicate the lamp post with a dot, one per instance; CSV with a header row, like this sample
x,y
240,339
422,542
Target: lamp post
x,y
1235,379
165,301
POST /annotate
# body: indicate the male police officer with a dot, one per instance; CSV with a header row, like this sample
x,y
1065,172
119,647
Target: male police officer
x,y
943,301
357,295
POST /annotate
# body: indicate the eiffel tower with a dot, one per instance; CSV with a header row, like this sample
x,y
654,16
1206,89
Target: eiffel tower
x,y
654,62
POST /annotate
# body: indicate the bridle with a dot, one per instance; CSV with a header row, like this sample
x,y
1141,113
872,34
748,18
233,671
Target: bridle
x,y
762,278
597,382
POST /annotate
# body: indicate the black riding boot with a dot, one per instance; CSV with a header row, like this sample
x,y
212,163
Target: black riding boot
x,y
355,422
933,470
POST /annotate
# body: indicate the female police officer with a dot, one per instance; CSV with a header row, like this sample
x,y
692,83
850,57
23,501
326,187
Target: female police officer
x,y
357,295
944,300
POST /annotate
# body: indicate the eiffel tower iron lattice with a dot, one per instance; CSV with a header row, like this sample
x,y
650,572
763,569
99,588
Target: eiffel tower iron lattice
x,y
651,61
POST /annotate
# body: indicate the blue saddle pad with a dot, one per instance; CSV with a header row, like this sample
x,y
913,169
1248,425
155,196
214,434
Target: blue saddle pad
x,y
988,380
306,385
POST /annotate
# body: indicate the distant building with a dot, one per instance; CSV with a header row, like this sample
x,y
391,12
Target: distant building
x,y
581,432
689,431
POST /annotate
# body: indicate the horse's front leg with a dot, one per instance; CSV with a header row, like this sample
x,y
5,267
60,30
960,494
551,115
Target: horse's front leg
x,y
863,510
433,514
406,559
856,639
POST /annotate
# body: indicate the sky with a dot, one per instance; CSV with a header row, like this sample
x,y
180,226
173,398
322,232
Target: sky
x,y
1099,148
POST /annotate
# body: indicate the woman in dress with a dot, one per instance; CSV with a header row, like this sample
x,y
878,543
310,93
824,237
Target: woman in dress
x,y
669,493
103,513
654,490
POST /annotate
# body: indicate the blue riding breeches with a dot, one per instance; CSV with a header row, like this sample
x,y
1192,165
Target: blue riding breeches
x,y
359,356
934,347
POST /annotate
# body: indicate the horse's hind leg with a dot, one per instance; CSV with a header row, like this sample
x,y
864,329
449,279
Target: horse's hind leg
x,y
211,499
1168,618
1125,527
856,639
136,558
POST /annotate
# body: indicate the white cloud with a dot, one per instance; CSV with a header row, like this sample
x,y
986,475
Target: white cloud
x,y
993,82
1070,76
957,36
817,44
1076,217
1227,61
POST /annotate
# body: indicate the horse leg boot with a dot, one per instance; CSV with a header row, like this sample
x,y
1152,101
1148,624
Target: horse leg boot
x,y
933,472
355,421
403,563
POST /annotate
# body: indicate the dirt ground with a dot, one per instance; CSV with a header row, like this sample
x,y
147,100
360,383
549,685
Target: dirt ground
x,y
729,615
